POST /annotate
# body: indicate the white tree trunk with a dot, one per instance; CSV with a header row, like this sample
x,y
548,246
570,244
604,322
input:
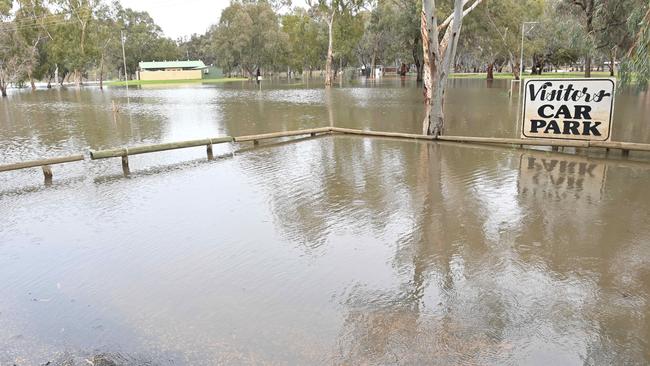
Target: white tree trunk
x,y
328,64
438,60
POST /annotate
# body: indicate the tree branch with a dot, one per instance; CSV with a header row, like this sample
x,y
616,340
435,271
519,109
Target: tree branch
x,y
451,16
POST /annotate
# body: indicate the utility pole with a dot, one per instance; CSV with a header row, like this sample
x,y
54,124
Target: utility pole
x,y
126,75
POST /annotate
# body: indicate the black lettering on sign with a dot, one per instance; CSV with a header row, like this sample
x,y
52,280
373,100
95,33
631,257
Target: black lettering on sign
x,y
571,127
574,109
536,124
552,126
588,129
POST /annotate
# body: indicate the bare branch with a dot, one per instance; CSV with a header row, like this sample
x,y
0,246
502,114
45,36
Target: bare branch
x,y
451,16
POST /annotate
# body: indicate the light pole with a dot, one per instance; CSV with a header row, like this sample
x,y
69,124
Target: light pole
x,y
126,74
521,60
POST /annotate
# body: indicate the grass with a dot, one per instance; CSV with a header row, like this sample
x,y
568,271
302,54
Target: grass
x,y
163,82
549,75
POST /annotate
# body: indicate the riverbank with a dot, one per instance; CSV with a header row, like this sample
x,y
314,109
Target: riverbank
x,y
162,82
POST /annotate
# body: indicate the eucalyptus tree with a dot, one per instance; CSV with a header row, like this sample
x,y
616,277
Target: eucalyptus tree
x,y
605,28
79,16
637,61
408,33
107,39
9,57
439,55
327,10
348,30
503,20
380,33
31,19
306,44
248,36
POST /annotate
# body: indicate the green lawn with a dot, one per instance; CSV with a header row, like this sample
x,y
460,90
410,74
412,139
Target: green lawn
x,y
549,75
163,82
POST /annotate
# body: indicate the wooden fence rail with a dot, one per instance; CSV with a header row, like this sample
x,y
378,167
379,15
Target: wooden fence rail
x,y
124,152
255,138
41,162
143,149
45,164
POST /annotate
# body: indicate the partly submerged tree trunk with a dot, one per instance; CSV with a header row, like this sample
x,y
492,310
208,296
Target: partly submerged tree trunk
x,y
3,87
328,64
515,69
31,79
438,60
101,73
373,64
490,71
77,77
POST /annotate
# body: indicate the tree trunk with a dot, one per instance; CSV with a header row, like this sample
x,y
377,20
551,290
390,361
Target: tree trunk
x,y
328,64
590,28
31,80
515,69
3,88
62,80
77,77
373,64
438,60
490,71
612,63
101,73
416,59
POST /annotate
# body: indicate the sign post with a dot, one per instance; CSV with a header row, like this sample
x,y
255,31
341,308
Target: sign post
x,y
568,109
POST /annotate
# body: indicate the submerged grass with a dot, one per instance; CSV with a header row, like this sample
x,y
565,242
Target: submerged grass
x,y
549,75
163,82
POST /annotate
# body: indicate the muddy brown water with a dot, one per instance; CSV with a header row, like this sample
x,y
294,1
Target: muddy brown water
x,y
327,250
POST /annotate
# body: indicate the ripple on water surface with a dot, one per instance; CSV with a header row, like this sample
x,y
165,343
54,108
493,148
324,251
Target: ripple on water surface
x,y
295,253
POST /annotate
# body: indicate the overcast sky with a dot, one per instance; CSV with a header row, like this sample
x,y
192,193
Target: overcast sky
x,y
179,18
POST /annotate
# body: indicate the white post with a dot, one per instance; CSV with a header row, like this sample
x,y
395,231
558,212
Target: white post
x,y
521,60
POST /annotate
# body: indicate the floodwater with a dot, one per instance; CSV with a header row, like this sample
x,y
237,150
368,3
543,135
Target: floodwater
x,y
326,250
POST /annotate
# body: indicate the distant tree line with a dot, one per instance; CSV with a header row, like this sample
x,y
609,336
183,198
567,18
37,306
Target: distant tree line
x,y
65,39
58,40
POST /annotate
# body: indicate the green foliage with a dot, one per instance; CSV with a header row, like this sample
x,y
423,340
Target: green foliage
x,y
143,39
5,7
249,36
78,36
637,63
307,43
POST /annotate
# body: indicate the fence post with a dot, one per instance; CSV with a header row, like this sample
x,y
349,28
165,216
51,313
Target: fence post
x,y
125,162
47,173
209,150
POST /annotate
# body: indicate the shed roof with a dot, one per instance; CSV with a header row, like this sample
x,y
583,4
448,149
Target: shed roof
x,y
198,64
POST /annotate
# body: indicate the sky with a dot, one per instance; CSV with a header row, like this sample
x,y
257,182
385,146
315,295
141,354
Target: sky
x,y
180,18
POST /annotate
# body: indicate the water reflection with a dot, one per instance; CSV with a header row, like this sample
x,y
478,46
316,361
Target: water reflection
x,y
328,250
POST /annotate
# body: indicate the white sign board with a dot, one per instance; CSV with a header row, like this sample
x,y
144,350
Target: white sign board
x,y
568,109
